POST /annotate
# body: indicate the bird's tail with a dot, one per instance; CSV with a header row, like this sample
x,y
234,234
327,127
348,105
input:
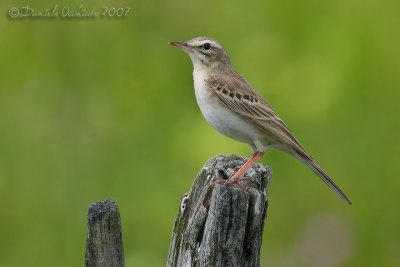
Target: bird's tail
x,y
318,171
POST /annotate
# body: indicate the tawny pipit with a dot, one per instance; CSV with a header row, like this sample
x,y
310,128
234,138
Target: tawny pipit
x,y
236,110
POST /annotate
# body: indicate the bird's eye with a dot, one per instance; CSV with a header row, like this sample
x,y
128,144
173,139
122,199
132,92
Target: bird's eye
x,y
207,46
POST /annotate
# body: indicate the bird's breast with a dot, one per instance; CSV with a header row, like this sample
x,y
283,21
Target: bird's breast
x,y
220,117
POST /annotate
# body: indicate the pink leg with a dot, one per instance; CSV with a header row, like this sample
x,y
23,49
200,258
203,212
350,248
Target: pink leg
x,y
256,156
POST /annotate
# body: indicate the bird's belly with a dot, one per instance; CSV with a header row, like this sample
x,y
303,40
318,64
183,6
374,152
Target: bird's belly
x,y
226,122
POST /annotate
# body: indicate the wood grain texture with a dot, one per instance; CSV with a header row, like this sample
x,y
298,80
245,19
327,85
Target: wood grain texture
x,y
104,236
219,225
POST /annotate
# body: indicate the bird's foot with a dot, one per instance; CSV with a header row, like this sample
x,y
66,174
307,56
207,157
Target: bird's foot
x,y
248,179
232,183
235,182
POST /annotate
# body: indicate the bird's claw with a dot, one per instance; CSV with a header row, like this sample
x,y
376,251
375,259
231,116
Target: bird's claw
x,y
234,183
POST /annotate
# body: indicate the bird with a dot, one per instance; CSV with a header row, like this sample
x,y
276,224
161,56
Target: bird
x,y
235,109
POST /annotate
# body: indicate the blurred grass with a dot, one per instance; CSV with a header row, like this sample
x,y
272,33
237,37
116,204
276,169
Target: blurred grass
x,y
96,108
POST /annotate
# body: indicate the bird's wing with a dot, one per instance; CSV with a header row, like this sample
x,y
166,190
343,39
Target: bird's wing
x,y
239,96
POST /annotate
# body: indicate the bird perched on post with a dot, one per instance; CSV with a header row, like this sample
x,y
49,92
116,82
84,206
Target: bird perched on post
x,y
236,110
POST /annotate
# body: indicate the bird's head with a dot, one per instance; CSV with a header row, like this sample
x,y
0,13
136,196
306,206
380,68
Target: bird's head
x,y
205,52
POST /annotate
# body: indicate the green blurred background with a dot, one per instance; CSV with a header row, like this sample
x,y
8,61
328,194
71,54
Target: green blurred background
x,y
98,108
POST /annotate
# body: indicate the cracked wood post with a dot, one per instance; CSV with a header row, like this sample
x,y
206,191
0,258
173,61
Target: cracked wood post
x,y
104,236
219,225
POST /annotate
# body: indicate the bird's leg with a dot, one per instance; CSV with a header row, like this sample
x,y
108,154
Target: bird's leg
x,y
256,156
234,180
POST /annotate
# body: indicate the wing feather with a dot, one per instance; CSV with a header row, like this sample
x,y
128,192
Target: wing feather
x,y
240,97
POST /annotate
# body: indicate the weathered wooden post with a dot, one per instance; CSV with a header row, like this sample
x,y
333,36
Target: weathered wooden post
x,y
219,225
104,236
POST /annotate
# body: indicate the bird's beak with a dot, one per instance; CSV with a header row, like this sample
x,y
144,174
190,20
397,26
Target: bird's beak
x,y
182,45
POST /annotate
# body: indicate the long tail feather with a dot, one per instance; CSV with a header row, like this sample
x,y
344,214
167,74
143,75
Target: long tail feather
x,y
318,171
